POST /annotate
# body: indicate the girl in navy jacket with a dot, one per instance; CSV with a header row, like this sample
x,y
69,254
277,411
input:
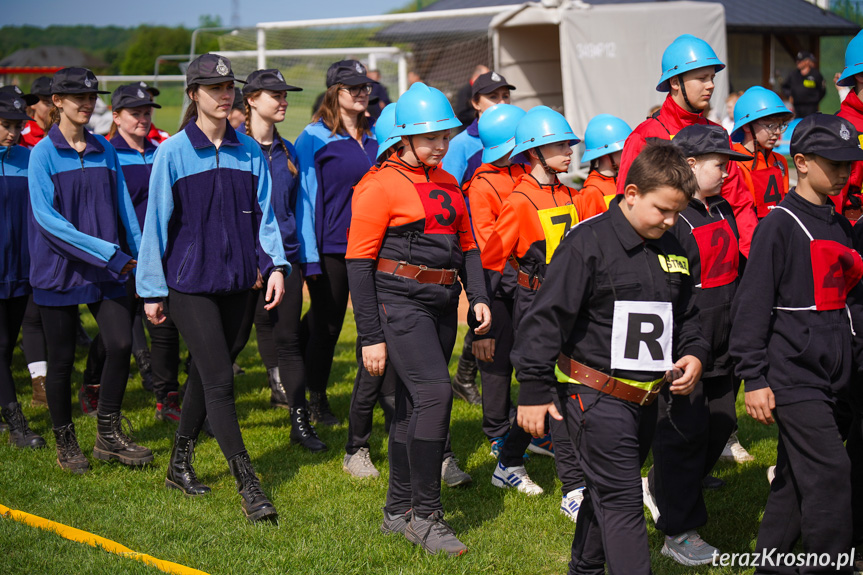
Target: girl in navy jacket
x,y
14,261
83,239
335,151
209,208
279,329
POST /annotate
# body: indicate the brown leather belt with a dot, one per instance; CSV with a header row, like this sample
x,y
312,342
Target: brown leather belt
x,y
528,281
422,274
605,383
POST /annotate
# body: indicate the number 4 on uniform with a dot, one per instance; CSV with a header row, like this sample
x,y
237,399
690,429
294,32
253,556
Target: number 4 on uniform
x,y
772,195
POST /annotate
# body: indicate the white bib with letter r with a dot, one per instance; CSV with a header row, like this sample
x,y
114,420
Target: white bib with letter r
x,y
641,336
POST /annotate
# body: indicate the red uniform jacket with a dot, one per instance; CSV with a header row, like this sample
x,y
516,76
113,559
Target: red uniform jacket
x,y
852,110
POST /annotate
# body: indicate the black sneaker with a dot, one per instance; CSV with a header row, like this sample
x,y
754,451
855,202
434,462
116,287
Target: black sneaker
x,y
434,534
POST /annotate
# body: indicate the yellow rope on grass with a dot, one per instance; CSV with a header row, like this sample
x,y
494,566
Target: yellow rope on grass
x,y
95,541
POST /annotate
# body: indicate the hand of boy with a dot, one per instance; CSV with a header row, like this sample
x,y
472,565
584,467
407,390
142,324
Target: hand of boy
x,y
483,349
760,405
691,367
531,418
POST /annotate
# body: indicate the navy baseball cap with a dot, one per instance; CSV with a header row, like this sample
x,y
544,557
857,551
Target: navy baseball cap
x,y
347,73
131,96
269,79
488,83
41,87
804,55
209,69
75,81
153,91
13,107
702,139
827,136
239,101
30,99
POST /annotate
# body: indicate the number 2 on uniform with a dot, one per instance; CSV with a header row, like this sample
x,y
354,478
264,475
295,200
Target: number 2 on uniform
x,y
555,223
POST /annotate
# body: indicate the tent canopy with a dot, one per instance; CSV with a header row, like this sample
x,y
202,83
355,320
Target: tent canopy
x,y
588,60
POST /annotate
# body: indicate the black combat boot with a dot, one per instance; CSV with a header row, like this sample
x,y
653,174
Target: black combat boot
x,y
303,433
181,474
256,506
113,443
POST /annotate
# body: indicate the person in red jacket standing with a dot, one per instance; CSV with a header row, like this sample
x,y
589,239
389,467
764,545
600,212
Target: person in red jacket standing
x,y
689,65
41,105
852,110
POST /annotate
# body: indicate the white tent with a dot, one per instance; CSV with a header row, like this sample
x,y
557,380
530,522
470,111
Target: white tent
x,y
585,59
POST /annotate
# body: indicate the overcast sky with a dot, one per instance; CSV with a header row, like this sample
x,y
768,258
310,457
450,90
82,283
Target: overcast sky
x,y
182,12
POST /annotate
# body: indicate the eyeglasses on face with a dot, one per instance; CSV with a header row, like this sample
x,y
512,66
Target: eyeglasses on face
x,y
355,91
775,127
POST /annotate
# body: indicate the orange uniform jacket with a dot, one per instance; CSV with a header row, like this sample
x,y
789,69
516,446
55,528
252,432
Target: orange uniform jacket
x,y
774,187
414,215
597,187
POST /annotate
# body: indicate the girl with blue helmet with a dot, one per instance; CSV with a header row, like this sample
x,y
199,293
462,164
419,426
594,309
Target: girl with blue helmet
x,y
84,239
410,241
278,329
14,262
603,141
852,107
209,229
760,118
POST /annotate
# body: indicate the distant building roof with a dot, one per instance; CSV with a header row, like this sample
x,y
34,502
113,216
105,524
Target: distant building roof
x,y
52,56
774,16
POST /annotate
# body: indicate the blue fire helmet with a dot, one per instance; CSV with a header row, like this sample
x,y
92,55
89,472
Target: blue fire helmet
x,y
541,126
853,61
755,103
605,134
497,130
383,127
422,110
684,54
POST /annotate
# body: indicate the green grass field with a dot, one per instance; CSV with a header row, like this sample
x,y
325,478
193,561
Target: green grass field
x,y
328,520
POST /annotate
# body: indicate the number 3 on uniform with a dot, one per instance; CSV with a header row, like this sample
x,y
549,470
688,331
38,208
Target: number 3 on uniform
x,y
555,223
641,336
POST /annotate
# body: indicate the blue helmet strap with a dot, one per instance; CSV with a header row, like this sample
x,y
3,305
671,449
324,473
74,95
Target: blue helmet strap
x,y
685,97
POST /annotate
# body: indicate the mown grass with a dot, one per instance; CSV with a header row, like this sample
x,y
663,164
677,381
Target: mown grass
x,y
328,520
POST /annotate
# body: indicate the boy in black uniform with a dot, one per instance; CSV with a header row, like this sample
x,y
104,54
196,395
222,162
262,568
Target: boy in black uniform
x,y
692,431
612,321
792,328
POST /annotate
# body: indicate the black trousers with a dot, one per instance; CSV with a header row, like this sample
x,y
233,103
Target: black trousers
x,y
810,497
329,301
32,334
612,438
11,315
565,457
423,401
691,431
279,337
368,390
210,325
114,318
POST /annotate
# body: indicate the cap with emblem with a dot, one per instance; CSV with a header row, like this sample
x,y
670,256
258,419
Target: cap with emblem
x,y
804,55
13,107
153,91
488,83
75,81
30,99
41,87
270,79
702,139
131,96
347,73
209,69
827,136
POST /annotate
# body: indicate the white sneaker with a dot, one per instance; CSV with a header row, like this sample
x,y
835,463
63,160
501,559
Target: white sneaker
x,y
514,477
360,464
733,451
571,503
649,500
689,549
771,474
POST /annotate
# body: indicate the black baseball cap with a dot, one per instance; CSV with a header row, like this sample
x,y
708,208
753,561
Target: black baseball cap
x,y
239,101
488,83
702,139
348,73
804,55
209,69
13,107
153,91
269,79
30,99
131,96
41,87
75,81
827,136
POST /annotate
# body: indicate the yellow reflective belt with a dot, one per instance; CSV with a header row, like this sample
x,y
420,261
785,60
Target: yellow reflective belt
x,y
645,385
